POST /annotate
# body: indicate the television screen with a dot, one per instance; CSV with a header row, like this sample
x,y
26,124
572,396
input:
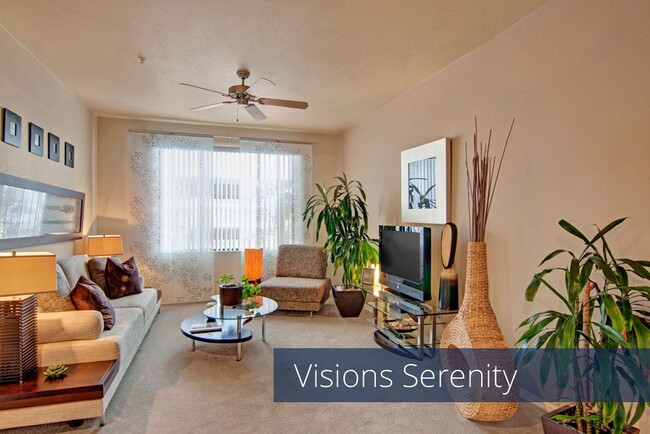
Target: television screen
x,y
400,254
405,260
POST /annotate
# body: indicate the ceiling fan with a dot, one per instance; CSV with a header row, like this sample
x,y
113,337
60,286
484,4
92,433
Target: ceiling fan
x,y
248,96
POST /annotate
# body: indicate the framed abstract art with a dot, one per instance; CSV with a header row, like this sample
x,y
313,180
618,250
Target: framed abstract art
x,y
425,186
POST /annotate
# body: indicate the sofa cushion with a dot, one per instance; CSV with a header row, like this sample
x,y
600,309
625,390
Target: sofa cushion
x,y
58,301
296,289
69,326
146,301
86,295
128,331
97,270
122,278
298,260
73,267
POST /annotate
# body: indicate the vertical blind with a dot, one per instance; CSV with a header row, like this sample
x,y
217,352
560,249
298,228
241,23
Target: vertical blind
x,y
256,199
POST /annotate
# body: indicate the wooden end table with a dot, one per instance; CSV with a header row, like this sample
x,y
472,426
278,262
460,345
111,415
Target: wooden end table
x,y
83,382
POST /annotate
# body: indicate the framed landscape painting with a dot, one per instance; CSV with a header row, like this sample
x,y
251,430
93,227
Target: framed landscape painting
x,y
425,185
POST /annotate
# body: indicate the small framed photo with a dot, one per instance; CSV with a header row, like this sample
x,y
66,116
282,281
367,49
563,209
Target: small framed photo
x,y
425,183
35,139
69,155
11,133
53,148
368,277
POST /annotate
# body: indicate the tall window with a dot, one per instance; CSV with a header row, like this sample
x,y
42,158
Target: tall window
x,y
257,195
191,196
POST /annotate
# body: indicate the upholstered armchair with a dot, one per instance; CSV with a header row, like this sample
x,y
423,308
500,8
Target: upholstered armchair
x,y
300,281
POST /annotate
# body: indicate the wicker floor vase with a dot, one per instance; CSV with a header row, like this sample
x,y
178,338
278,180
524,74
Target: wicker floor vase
x,y
476,326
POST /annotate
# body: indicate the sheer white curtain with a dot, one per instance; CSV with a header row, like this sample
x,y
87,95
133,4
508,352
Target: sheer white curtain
x,y
275,181
171,213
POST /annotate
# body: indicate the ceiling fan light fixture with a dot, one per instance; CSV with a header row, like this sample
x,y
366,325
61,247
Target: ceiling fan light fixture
x,y
248,95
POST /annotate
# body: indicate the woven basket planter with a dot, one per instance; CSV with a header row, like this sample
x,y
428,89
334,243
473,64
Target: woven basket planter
x,y
476,326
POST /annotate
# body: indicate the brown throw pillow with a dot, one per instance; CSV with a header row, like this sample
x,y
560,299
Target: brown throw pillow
x,y
86,295
97,270
122,279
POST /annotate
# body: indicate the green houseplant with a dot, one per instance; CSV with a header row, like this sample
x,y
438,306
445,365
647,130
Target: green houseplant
x,y
603,310
233,293
341,210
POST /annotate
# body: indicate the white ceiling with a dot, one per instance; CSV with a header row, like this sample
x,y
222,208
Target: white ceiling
x,y
347,58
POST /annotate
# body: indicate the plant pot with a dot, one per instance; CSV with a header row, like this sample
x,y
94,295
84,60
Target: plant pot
x,y
550,426
349,302
230,295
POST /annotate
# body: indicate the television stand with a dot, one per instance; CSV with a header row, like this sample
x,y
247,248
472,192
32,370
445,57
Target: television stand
x,y
402,324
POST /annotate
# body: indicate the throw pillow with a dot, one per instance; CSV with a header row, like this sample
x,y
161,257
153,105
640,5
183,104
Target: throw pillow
x,y
58,301
86,295
122,279
97,270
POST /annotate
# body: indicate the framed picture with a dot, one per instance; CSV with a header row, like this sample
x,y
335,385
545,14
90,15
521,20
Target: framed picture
x,y
53,147
69,155
11,132
368,277
425,183
35,139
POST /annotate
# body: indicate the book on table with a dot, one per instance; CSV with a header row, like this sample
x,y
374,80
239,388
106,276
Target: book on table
x,y
206,327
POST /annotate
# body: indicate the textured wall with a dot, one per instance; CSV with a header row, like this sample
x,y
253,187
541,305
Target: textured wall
x,y
575,76
28,89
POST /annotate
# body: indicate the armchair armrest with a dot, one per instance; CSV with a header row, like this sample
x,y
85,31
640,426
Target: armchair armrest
x,y
69,326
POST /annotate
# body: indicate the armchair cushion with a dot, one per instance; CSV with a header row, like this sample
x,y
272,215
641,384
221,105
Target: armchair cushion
x,y
297,260
296,289
69,326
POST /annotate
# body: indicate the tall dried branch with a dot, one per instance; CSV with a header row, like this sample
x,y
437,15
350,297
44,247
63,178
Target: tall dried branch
x,y
482,182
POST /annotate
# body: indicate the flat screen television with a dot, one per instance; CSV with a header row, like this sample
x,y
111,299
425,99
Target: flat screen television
x,y
405,260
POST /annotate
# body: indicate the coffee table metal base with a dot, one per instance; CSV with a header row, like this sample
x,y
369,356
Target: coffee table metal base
x,y
232,332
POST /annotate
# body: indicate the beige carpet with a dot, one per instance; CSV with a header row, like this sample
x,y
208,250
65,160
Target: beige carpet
x,y
169,389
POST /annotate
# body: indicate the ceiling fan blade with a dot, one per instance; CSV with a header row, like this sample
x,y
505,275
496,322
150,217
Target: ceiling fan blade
x,y
283,103
209,106
204,88
260,87
255,112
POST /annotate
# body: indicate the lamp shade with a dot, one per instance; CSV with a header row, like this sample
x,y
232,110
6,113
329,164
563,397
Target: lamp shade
x,y
253,263
27,273
105,245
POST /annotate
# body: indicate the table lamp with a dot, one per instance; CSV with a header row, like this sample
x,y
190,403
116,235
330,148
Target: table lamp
x,y
22,274
105,245
253,265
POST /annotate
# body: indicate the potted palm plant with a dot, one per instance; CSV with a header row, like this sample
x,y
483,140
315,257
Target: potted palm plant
x,y
341,210
603,310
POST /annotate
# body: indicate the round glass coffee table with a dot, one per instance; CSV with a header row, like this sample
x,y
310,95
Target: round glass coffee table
x,y
225,324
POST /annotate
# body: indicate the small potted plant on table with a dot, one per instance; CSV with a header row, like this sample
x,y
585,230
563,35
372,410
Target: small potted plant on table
x,y
230,292
341,210
604,311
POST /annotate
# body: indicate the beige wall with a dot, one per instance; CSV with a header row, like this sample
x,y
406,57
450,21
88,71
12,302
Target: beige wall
x,y
112,167
29,90
575,76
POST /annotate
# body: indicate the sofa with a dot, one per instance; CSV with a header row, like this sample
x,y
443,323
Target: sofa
x,y
300,281
78,336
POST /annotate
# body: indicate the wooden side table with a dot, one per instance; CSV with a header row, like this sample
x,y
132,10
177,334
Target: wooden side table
x,y
83,382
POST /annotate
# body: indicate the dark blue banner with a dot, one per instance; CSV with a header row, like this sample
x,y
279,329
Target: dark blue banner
x,y
461,375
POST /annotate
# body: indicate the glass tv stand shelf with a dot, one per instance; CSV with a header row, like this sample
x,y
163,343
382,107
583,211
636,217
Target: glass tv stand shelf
x,y
402,324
